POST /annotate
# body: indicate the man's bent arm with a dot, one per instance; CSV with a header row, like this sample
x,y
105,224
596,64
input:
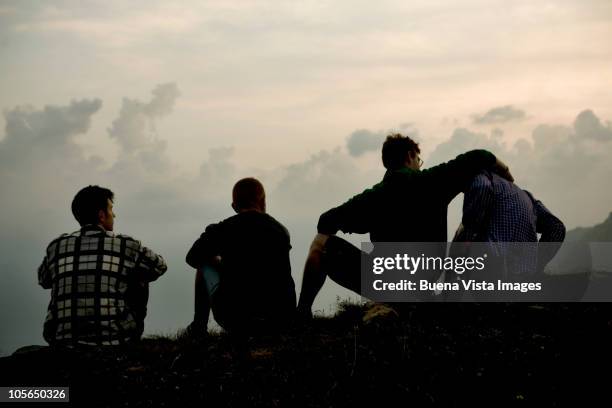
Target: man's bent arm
x,y
44,275
150,264
552,230
204,248
193,257
352,216
454,176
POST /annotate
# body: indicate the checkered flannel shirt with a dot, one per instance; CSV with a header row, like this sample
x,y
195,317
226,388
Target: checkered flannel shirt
x,y
91,274
496,210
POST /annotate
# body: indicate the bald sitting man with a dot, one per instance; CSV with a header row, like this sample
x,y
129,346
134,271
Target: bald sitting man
x,y
243,268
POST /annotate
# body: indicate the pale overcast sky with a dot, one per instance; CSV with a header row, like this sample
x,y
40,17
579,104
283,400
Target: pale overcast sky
x,y
300,76
169,103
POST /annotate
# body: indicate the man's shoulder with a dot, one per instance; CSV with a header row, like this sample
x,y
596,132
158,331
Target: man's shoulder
x,y
69,241
505,187
128,239
213,230
388,183
219,226
116,239
277,224
54,242
250,220
401,179
485,180
63,237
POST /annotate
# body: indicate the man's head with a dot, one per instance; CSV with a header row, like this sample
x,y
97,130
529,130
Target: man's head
x,y
401,151
94,205
248,194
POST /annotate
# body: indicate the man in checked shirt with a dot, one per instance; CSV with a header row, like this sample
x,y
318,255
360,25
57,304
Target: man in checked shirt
x,y
99,280
498,212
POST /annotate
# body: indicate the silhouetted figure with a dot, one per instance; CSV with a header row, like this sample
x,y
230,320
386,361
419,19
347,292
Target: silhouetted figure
x,y
503,221
243,268
408,205
498,211
99,280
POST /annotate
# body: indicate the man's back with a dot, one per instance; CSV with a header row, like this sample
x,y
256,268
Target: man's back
x,y
255,274
97,279
496,210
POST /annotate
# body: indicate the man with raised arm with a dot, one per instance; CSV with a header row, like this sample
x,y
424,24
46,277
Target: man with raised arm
x,y
99,280
408,205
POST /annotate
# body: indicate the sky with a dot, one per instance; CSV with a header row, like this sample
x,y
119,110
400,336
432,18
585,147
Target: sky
x,y
170,103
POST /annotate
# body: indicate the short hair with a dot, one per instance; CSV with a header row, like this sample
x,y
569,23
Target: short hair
x,y
395,150
248,193
88,202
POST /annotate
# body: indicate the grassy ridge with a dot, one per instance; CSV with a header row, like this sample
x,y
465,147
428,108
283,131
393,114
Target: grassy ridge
x,y
445,354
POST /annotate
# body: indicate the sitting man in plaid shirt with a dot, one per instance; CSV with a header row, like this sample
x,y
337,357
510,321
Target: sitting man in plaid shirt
x,y
99,280
499,212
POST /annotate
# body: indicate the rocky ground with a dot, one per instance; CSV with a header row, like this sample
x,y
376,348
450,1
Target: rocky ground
x,y
441,354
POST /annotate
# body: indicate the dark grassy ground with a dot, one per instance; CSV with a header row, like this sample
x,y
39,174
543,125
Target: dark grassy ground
x,y
442,354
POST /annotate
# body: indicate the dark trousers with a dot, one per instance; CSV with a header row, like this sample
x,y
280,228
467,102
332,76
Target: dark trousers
x,y
237,311
341,261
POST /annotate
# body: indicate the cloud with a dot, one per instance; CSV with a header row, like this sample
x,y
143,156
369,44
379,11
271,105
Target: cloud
x,y
219,168
134,129
136,133
362,141
52,126
562,165
588,126
463,140
324,177
41,144
164,97
501,114
550,136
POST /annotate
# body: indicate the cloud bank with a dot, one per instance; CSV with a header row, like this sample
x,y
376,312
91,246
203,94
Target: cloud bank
x,y
565,166
501,114
362,141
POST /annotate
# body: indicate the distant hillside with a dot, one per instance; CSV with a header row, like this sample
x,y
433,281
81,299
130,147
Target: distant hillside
x,y
579,255
597,233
